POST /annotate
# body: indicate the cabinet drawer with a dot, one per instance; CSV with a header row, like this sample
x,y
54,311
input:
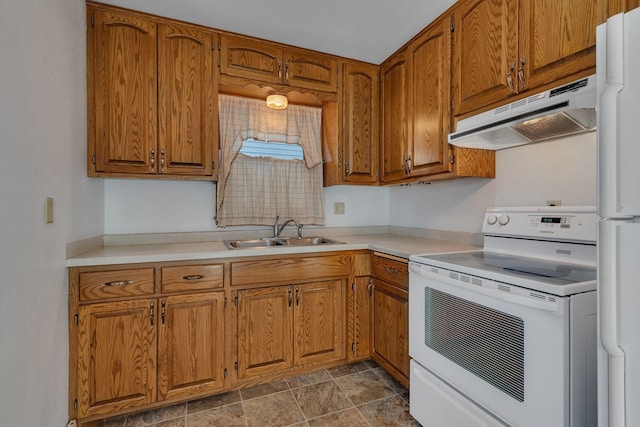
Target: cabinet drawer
x,y
392,270
288,270
192,277
116,283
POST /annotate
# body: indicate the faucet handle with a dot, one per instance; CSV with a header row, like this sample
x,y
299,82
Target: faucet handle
x,y
300,225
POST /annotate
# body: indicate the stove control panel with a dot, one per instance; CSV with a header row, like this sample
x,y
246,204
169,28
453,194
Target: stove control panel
x,y
552,222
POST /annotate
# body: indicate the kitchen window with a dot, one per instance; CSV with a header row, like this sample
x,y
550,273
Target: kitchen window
x,y
271,163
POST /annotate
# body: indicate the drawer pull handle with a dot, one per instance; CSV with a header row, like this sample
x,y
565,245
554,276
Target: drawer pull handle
x,y
391,270
193,277
118,283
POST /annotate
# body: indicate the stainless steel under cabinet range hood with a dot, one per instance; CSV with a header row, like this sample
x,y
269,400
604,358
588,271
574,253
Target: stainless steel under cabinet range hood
x,y
566,110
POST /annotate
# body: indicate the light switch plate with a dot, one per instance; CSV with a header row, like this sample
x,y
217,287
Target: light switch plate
x,y
338,208
48,210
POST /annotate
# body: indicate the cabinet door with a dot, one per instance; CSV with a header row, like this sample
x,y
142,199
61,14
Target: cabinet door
x,y
429,65
116,356
558,38
393,101
124,121
190,345
265,330
391,329
187,104
360,135
320,328
310,70
361,306
485,52
251,59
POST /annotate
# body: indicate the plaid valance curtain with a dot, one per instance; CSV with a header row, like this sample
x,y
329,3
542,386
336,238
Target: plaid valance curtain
x,y
254,190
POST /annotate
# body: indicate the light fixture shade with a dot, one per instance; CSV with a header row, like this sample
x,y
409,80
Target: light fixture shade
x,y
277,102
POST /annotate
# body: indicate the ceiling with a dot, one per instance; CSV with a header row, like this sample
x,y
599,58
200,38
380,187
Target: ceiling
x,y
368,30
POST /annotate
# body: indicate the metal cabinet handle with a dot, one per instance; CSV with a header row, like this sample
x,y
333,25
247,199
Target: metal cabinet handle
x,y
162,160
346,168
193,277
370,287
390,270
290,298
523,84
512,66
162,312
118,283
297,296
407,164
279,70
286,73
153,159
151,314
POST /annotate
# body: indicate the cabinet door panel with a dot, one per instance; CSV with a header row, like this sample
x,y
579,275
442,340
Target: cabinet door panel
x,y
116,356
429,100
486,47
186,137
124,54
362,317
251,59
360,123
265,330
190,345
319,322
394,117
311,71
391,327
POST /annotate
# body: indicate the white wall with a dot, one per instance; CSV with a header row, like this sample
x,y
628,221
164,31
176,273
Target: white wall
x,y
528,175
140,206
43,140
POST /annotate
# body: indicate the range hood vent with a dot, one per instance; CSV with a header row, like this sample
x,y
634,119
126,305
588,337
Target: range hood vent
x,y
565,110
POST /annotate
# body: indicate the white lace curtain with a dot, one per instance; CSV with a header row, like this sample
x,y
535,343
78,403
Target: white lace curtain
x,y
254,190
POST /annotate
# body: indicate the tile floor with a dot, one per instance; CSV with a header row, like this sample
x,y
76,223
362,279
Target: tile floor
x,y
359,394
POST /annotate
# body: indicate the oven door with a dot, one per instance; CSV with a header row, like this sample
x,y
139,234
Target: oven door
x,y
504,347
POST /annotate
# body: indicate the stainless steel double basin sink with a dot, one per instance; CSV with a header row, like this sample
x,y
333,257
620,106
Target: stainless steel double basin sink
x,y
269,242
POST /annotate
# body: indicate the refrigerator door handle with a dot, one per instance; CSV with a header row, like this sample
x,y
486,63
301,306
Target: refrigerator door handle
x,y
608,318
610,57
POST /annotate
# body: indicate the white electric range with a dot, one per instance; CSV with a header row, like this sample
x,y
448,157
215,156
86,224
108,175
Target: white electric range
x,y
506,335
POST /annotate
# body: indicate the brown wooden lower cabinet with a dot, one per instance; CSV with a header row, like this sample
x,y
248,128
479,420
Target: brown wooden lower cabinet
x,y
116,356
289,326
190,345
390,316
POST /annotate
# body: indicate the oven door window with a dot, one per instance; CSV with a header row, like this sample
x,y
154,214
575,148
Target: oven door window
x,y
484,341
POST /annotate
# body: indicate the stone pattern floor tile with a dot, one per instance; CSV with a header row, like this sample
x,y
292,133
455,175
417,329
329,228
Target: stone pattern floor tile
x,y
361,394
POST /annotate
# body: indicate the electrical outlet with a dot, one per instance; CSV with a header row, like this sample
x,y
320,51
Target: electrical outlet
x,y
338,208
554,202
48,210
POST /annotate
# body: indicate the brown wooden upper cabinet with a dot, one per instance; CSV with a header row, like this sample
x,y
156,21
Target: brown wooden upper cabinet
x,y
151,96
506,47
360,124
268,62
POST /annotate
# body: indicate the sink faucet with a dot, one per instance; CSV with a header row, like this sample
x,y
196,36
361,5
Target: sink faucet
x,y
277,228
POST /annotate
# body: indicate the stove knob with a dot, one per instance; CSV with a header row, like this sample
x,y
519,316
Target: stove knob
x,y
504,220
492,219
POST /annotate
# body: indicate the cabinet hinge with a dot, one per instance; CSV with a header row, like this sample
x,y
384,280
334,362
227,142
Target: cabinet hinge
x,y
451,159
225,372
93,159
75,404
213,45
353,287
235,301
353,347
93,22
219,46
235,366
453,105
213,164
453,25
225,302
75,319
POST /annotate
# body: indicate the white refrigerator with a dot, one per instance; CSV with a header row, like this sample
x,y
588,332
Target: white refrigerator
x,y
618,85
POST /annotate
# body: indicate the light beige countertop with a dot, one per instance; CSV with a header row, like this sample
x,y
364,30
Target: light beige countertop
x,y
389,243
